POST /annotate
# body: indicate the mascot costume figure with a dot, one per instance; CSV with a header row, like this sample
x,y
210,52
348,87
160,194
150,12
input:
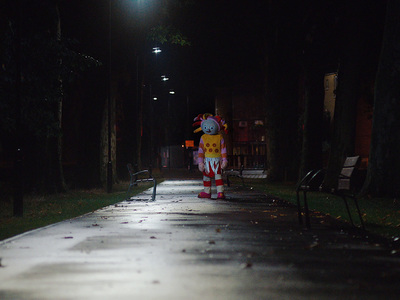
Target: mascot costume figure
x,y
212,152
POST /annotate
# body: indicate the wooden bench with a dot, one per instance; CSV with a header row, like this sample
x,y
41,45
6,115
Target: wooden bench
x,y
135,179
243,173
233,173
345,189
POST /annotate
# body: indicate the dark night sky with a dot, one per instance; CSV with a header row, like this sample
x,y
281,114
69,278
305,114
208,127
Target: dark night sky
x,y
224,37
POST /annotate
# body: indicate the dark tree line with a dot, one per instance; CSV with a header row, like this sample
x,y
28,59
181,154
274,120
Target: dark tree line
x,y
383,176
296,46
37,65
334,36
64,67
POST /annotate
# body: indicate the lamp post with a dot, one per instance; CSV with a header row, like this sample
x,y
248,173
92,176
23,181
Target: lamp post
x,y
171,94
152,98
156,50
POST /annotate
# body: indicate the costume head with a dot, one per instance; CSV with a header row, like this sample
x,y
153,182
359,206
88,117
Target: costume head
x,y
210,124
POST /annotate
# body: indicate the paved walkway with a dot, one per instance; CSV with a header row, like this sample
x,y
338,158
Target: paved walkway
x,y
249,246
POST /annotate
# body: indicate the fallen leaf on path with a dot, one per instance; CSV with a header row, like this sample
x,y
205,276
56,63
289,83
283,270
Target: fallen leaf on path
x,y
312,246
246,265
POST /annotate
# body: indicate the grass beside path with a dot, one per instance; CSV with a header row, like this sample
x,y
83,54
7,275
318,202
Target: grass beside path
x,y
381,215
41,211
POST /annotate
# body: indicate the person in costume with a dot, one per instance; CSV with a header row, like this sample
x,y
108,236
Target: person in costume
x,y
212,156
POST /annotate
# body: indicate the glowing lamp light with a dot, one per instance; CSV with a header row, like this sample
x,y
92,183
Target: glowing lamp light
x,y
156,50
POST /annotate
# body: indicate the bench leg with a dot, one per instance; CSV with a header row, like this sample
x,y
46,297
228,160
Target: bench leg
x,y
359,213
153,198
299,208
307,212
129,191
348,210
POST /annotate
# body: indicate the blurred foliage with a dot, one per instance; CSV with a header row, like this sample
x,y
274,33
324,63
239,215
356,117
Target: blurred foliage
x,y
46,65
168,34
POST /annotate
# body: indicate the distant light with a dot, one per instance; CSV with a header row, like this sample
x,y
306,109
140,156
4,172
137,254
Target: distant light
x,y
164,78
155,98
172,92
156,50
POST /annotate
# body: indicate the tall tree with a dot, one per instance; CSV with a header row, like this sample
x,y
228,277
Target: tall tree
x,y
358,25
384,161
317,59
45,63
281,93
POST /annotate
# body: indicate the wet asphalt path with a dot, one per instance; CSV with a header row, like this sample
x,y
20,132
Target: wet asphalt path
x,y
249,246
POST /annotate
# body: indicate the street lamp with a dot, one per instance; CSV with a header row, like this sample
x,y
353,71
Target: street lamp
x,y
156,50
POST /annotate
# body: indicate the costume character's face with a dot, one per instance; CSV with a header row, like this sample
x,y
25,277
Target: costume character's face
x,y
209,127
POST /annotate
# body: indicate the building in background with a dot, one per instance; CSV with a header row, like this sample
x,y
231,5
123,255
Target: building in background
x,y
242,109
364,114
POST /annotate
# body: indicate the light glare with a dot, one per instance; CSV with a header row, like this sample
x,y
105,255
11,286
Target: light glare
x,y
156,50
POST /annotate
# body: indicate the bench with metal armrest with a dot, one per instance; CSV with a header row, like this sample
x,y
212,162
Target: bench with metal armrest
x,y
135,179
313,180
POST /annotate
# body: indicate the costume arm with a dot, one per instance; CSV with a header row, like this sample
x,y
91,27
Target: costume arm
x,y
223,150
200,158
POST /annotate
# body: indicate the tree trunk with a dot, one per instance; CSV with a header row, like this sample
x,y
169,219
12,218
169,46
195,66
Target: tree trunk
x,y
383,174
104,143
311,158
281,120
344,121
347,93
61,184
281,94
318,58
53,174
